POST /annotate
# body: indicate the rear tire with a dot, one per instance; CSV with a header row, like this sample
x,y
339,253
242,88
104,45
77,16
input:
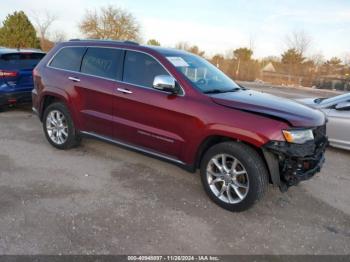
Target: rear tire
x,y
234,176
59,127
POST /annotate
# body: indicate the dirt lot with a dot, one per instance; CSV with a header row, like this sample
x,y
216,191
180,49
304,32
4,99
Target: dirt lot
x,y
101,199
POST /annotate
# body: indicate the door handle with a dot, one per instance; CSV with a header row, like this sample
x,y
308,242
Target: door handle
x,y
125,91
74,79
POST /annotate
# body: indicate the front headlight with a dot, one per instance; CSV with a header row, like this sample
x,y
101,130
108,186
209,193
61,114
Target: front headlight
x,y
298,136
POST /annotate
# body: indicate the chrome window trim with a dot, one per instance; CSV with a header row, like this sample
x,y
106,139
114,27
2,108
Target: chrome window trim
x,y
49,62
114,80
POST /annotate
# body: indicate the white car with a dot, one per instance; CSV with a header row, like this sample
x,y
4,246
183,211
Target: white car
x,y
337,110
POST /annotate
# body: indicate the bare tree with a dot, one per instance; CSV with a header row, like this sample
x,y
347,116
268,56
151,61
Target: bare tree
x,y
346,59
192,49
317,59
58,36
252,42
298,40
110,23
229,54
43,24
182,46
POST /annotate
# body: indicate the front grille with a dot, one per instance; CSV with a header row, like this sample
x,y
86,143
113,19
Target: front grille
x,y
320,134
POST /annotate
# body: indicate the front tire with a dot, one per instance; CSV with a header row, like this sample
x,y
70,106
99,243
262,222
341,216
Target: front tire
x,y
59,127
234,176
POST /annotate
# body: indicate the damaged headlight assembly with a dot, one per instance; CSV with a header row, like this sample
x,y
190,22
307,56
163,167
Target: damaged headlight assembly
x,y
297,158
298,136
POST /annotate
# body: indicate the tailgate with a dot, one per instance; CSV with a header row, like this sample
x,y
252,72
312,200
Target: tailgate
x,y
18,69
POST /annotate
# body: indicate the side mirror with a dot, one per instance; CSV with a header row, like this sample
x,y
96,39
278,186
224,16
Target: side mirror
x,y
165,83
343,106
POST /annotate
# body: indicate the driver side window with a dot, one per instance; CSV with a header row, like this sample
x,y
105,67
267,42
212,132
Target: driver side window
x,y
141,69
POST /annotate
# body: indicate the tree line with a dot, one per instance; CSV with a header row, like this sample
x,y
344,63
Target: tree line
x,y
17,31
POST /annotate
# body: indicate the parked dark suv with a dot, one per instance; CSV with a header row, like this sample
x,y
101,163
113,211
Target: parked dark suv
x,y
176,106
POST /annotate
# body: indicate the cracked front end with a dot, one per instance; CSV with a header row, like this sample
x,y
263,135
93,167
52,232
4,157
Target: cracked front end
x,y
290,163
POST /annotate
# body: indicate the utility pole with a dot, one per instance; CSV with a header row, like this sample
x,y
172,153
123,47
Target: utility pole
x,y
238,66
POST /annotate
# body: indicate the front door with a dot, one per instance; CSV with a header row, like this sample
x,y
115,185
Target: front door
x,y
143,116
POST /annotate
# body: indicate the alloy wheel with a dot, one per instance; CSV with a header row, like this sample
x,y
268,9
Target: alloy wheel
x,y
57,127
227,178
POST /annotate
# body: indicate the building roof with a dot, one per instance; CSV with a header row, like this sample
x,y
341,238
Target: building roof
x,y
269,68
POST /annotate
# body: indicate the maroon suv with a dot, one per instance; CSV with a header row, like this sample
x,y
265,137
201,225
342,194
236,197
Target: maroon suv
x,y
176,106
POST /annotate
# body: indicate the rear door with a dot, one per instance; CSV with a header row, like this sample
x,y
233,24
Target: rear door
x,y
17,70
100,68
62,77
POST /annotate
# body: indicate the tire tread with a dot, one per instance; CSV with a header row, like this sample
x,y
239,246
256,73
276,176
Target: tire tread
x,y
253,162
73,136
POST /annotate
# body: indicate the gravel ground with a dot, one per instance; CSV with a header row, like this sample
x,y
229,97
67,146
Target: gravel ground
x,y
101,199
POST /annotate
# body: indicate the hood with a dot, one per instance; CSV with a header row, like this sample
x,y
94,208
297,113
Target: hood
x,y
296,114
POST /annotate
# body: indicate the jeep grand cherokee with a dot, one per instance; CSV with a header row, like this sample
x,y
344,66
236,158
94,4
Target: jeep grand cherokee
x,y
176,106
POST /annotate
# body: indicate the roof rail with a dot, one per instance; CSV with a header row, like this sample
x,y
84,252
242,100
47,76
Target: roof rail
x,y
130,42
106,40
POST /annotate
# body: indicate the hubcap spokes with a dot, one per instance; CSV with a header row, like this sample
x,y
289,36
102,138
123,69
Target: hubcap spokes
x,y
228,178
57,127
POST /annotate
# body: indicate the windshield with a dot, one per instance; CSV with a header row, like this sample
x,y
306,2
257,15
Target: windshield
x,y
202,74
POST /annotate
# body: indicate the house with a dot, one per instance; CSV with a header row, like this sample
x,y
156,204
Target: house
x,y
280,74
334,81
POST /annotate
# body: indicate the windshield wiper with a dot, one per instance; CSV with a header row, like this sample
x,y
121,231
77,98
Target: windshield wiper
x,y
319,100
220,91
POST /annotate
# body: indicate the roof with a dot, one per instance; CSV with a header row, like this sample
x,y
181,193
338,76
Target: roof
x,y
269,68
5,50
162,50
105,41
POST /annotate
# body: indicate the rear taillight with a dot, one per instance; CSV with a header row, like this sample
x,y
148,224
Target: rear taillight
x,y
35,72
6,74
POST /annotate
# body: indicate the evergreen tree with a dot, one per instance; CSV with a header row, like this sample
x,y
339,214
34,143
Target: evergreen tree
x,y
292,57
243,54
18,32
153,42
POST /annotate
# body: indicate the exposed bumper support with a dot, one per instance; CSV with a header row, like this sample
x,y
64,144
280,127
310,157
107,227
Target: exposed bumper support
x,y
290,164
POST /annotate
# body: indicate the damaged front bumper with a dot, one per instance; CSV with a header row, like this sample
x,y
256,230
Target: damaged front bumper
x,y
290,164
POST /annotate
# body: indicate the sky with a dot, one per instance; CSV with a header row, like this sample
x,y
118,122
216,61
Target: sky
x,y
216,26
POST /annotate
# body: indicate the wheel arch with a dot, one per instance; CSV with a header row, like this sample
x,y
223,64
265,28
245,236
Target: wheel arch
x,y
212,140
47,100
57,95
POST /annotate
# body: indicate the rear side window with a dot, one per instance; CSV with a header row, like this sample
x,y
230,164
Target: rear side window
x,y
103,62
68,58
19,61
141,69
